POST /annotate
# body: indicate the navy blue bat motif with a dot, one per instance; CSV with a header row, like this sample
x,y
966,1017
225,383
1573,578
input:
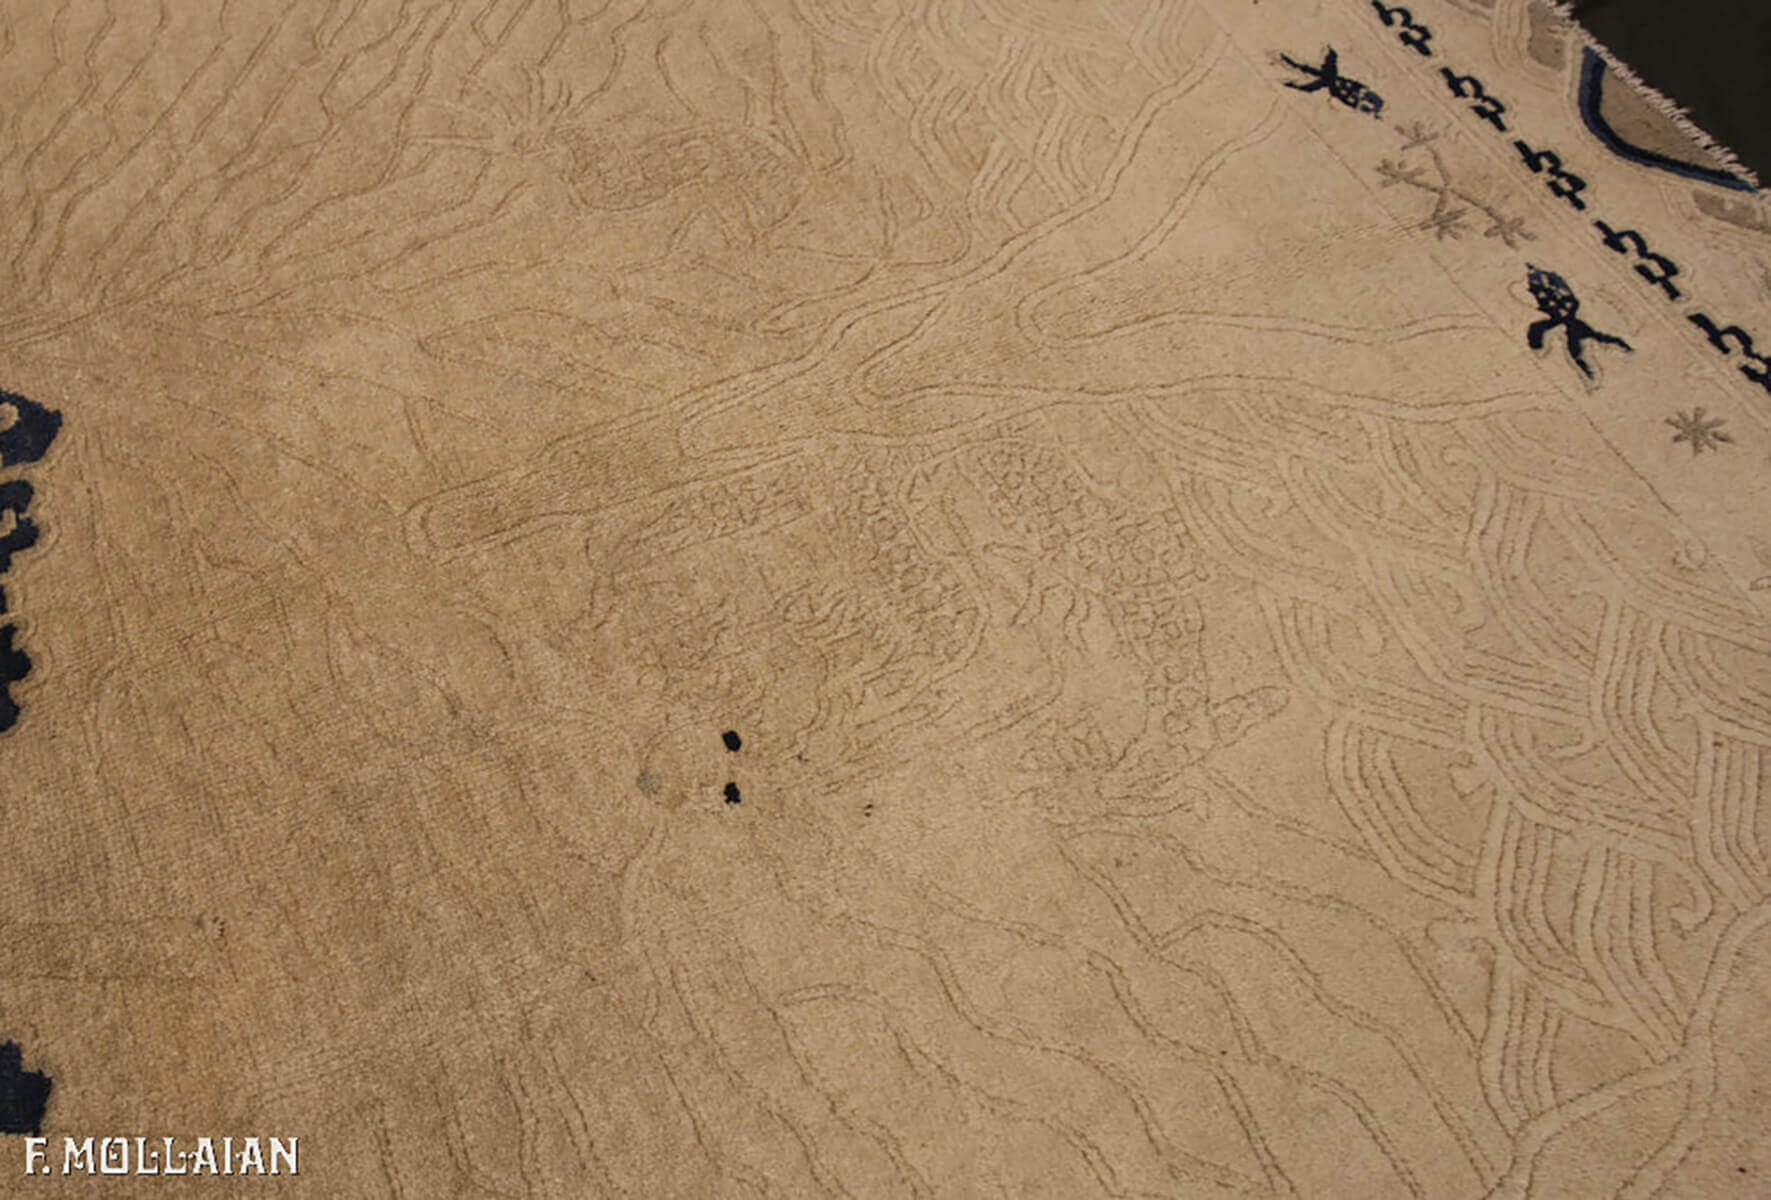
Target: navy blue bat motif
x,y
1560,306
1343,88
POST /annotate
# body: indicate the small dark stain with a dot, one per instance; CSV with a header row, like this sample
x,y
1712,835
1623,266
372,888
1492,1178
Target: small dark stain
x,y
647,783
733,742
23,1094
732,796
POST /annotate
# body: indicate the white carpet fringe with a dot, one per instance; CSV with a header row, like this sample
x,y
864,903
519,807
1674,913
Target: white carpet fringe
x,y
1667,107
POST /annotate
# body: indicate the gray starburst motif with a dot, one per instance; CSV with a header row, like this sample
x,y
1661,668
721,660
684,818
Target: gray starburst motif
x,y
1415,134
1451,204
1395,172
1510,230
1445,221
1703,434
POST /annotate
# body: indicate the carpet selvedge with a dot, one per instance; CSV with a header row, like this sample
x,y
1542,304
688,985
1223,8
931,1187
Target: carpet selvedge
x,y
24,1095
1591,97
25,437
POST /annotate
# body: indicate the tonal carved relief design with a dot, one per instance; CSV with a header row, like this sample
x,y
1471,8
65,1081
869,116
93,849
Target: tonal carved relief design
x,y
877,599
1451,204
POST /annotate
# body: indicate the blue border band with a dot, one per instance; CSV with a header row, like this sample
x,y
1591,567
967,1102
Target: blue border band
x,y
1592,83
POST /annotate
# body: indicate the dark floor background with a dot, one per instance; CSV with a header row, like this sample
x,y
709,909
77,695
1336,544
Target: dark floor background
x,y
1711,57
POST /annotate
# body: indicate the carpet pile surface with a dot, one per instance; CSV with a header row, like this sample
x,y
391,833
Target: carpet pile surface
x,y
880,598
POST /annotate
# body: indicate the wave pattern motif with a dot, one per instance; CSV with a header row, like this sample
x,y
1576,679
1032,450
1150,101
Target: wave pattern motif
x,y
1215,720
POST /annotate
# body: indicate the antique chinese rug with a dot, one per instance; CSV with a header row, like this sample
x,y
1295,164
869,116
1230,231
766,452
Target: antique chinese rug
x,y
775,598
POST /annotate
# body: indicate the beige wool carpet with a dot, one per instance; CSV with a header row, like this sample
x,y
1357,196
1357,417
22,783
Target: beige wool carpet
x,y
774,598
